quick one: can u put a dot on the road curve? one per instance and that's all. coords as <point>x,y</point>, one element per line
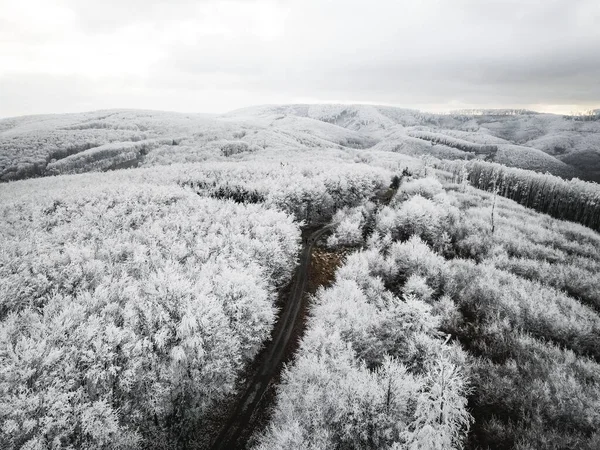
<point>232,431</point>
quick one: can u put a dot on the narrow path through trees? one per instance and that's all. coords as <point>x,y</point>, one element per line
<point>234,433</point>
<point>231,434</point>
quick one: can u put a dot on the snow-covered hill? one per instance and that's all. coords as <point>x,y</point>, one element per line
<point>41,145</point>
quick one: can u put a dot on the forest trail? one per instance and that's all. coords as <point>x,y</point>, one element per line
<point>232,433</point>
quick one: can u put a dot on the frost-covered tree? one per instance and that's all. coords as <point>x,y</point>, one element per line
<point>351,225</point>
<point>372,372</point>
<point>127,311</point>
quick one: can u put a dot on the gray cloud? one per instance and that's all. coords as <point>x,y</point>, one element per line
<point>110,14</point>
<point>211,55</point>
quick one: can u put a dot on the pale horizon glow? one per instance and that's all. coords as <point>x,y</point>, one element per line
<point>214,56</point>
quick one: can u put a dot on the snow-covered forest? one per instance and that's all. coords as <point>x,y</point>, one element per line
<point>426,281</point>
<point>455,295</point>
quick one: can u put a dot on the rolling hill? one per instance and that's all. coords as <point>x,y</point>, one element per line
<point>34,146</point>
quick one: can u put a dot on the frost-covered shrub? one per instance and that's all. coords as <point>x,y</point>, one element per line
<point>427,188</point>
<point>472,236</point>
<point>128,311</point>
<point>433,222</point>
<point>417,285</point>
<point>348,229</point>
<point>350,225</point>
<point>234,147</point>
<point>366,269</point>
<point>441,418</point>
<point>347,232</point>
<point>415,257</point>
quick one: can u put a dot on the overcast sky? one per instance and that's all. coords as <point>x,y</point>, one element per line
<point>215,56</point>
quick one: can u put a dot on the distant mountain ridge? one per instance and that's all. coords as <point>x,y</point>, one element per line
<point>31,146</point>
<point>493,112</point>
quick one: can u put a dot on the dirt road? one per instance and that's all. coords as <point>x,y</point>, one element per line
<point>230,436</point>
